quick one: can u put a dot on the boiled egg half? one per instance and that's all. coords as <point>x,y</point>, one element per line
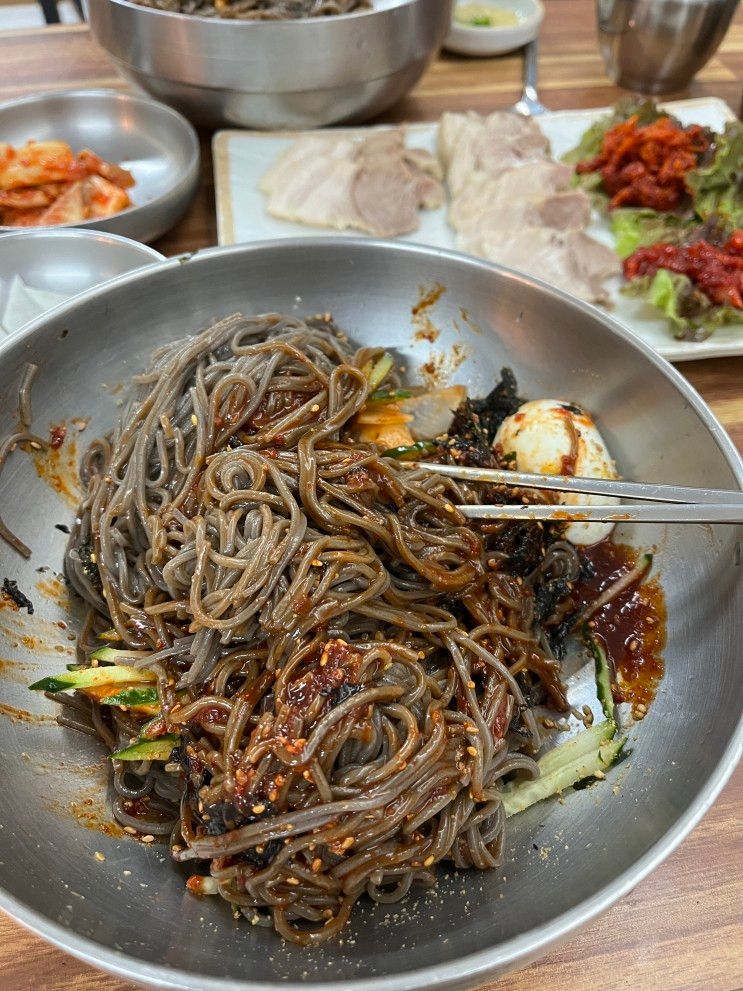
<point>555,437</point>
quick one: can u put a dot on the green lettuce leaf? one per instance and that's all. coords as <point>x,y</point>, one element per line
<point>717,188</point>
<point>635,228</point>
<point>692,314</point>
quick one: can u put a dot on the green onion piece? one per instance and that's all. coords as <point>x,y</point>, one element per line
<point>383,396</point>
<point>410,452</point>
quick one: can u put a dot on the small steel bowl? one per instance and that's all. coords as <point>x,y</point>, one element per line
<point>67,260</point>
<point>274,74</point>
<point>658,46</point>
<point>155,143</point>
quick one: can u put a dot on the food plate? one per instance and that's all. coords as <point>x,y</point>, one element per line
<point>113,901</point>
<point>153,142</point>
<point>242,157</point>
<point>40,268</point>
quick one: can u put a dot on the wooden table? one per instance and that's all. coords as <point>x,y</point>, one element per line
<point>682,928</point>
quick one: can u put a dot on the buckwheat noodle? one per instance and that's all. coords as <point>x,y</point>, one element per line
<point>344,655</point>
<point>259,10</point>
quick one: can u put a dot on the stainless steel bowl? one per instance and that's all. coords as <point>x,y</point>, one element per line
<point>68,261</point>
<point>155,143</point>
<point>658,46</point>
<point>274,74</point>
<point>142,924</point>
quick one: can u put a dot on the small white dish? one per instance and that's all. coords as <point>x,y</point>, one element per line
<point>483,41</point>
<point>41,268</point>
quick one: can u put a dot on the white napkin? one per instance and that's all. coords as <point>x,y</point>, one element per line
<point>24,303</point>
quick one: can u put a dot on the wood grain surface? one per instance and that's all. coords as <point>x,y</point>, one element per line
<point>682,928</point>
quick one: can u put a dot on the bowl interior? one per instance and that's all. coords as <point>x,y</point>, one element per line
<point>149,140</point>
<point>131,912</point>
<point>68,261</point>
<point>529,12</point>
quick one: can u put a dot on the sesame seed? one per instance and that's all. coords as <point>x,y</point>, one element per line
<point>292,880</point>
<point>149,838</point>
<point>428,861</point>
<point>99,856</point>
<point>472,751</point>
<point>449,508</point>
<point>316,865</point>
<point>259,808</point>
<point>131,830</point>
<point>315,408</point>
<point>600,775</point>
<point>347,843</point>
<point>194,419</point>
<point>316,563</point>
<point>470,684</point>
<point>259,849</point>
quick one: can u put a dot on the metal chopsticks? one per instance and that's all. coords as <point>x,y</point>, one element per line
<point>680,503</point>
<point>640,513</point>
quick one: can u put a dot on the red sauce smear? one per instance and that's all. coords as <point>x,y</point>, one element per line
<point>57,436</point>
<point>632,627</point>
<point>717,272</point>
<point>647,166</point>
<point>428,298</point>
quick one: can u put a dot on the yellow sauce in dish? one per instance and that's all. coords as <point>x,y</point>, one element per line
<point>481,15</point>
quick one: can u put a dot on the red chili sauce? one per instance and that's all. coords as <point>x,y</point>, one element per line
<point>632,627</point>
<point>717,272</point>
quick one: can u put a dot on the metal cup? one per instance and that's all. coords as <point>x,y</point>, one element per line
<point>658,46</point>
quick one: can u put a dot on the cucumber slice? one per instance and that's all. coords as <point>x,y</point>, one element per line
<point>142,749</point>
<point>89,677</point>
<point>110,655</point>
<point>376,373</point>
<point>581,757</point>
<point>603,673</point>
<point>133,696</point>
<point>110,635</point>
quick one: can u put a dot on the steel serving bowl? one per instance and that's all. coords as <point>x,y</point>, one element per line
<point>154,142</point>
<point>658,46</point>
<point>274,74</point>
<point>129,913</point>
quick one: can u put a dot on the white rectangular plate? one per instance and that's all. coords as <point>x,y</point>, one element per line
<point>242,157</point>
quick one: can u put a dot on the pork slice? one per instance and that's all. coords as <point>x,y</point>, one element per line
<point>393,182</point>
<point>386,199</point>
<point>317,194</point>
<point>310,149</point>
<point>502,200</point>
<point>424,161</point>
<point>521,134</point>
<point>457,138</point>
<point>469,144</point>
<point>571,260</point>
<point>570,209</point>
